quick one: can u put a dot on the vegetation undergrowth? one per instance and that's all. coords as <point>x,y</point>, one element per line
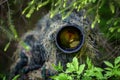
<point>88,71</point>
<point>5,78</point>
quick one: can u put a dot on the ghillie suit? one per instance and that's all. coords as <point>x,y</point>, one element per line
<point>36,63</point>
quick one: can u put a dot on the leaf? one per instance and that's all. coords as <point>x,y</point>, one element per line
<point>93,1</point>
<point>55,77</point>
<point>117,72</point>
<point>116,22</point>
<point>70,68</point>
<point>98,72</point>
<point>69,78</point>
<point>67,8</point>
<point>54,12</point>
<point>64,5</point>
<point>118,30</point>
<point>117,60</point>
<point>75,63</point>
<point>86,78</point>
<point>4,78</point>
<point>32,2</point>
<point>60,67</point>
<point>93,24</point>
<point>112,29</point>
<point>57,3</point>
<point>25,10</point>
<point>32,9</point>
<point>63,76</point>
<point>109,69</point>
<point>66,15</point>
<point>55,67</point>
<point>108,74</point>
<point>89,63</point>
<point>98,18</point>
<point>16,77</point>
<point>81,68</point>
<point>89,72</point>
<point>110,21</point>
<point>108,64</point>
<point>7,45</point>
<point>112,7</point>
<point>25,46</point>
<point>102,3</point>
<point>98,69</point>
<point>12,28</point>
<point>117,66</point>
<point>42,4</point>
<point>79,7</point>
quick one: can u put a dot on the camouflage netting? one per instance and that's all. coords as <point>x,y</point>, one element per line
<point>36,64</point>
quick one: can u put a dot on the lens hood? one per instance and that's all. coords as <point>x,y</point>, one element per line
<point>70,38</point>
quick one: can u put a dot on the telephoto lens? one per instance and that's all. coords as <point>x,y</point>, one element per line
<point>70,38</point>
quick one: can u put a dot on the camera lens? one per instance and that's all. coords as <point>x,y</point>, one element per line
<point>69,38</point>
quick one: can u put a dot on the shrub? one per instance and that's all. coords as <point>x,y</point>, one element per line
<point>88,71</point>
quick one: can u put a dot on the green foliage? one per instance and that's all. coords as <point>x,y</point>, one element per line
<point>92,71</point>
<point>73,69</point>
<point>9,28</point>
<point>57,6</point>
<point>59,67</point>
<point>7,45</point>
<point>1,75</point>
<point>25,46</point>
<point>34,5</point>
<point>14,78</point>
<point>109,15</point>
<point>4,78</point>
<point>88,71</point>
<point>113,69</point>
<point>104,12</point>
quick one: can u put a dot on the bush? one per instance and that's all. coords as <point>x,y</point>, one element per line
<point>88,71</point>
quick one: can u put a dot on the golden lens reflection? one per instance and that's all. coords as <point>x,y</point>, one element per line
<point>69,38</point>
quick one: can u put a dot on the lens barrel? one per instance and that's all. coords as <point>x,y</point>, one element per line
<point>70,38</point>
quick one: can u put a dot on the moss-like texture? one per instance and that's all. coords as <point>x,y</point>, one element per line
<point>37,62</point>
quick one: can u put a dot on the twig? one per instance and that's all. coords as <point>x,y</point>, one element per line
<point>23,17</point>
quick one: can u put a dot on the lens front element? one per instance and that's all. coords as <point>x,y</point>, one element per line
<point>69,39</point>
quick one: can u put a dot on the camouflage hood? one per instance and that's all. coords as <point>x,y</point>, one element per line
<point>36,63</point>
